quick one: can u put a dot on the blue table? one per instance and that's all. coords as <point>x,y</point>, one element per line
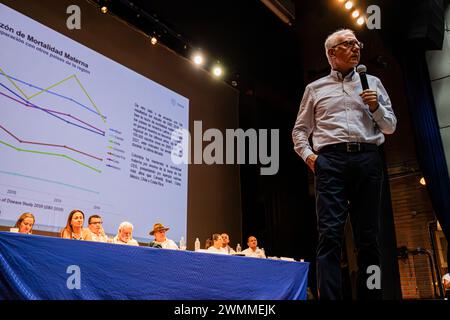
<point>38,267</point>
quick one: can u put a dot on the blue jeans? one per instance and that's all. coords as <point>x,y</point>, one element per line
<point>347,183</point>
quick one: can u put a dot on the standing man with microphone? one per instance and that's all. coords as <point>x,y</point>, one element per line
<point>347,121</point>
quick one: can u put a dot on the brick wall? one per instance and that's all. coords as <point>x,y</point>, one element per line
<point>412,212</point>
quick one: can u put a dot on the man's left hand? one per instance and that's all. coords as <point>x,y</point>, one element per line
<point>370,97</point>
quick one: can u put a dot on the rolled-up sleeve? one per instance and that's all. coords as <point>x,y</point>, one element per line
<point>304,124</point>
<point>384,116</point>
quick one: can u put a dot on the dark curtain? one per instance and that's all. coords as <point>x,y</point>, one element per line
<point>428,137</point>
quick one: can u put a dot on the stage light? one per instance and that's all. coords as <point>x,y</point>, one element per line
<point>422,181</point>
<point>340,1</point>
<point>198,59</point>
<point>360,21</point>
<point>217,71</point>
<point>104,9</point>
<point>154,40</point>
<point>355,14</point>
<point>348,5</point>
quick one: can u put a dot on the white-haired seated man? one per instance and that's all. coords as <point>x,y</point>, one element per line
<point>125,235</point>
<point>446,284</point>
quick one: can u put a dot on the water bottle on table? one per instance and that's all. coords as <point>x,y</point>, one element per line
<point>197,244</point>
<point>182,244</point>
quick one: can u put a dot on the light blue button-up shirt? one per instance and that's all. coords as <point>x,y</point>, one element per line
<point>333,112</point>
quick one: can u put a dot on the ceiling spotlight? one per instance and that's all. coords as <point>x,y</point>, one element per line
<point>104,9</point>
<point>198,59</point>
<point>217,71</point>
<point>422,181</point>
<point>348,5</point>
<point>360,21</point>
<point>153,40</point>
<point>355,14</point>
<point>340,0</point>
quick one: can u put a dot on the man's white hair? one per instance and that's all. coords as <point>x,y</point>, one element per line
<point>124,225</point>
<point>331,40</point>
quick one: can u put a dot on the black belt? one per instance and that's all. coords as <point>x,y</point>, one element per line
<point>350,147</point>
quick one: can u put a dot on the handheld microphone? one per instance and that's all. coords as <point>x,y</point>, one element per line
<point>361,69</point>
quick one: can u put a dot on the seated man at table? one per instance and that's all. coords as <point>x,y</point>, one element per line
<point>253,250</point>
<point>125,235</point>
<point>217,244</point>
<point>95,226</point>
<point>226,243</point>
<point>161,241</point>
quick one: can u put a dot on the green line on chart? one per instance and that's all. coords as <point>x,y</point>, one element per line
<point>89,97</point>
<point>52,86</point>
<point>51,154</point>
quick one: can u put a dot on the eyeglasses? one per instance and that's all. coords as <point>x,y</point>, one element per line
<point>350,43</point>
<point>98,222</point>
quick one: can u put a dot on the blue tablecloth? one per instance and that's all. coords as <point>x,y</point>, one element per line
<point>37,267</point>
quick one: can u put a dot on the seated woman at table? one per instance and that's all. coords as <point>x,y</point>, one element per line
<point>125,235</point>
<point>25,223</point>
<point>161,241</point>
<point>217,244</point>
<point>74,228</point>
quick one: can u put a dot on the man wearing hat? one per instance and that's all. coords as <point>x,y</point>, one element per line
<point>161,241</point>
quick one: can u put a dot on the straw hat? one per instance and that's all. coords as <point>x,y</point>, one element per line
<point>158,227</point>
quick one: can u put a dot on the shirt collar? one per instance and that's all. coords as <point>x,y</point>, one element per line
<point>338,76</point>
